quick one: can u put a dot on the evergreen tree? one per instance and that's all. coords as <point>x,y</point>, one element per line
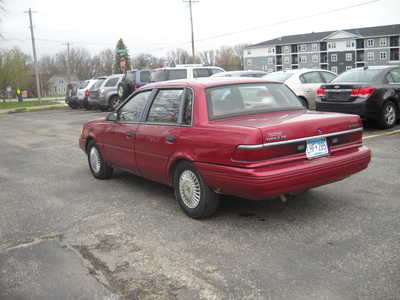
<point>121,51</point>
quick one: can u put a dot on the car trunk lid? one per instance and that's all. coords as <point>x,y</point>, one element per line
<point>342,92</point>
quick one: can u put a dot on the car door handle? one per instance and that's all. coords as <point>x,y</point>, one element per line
<point>170,138</point>
<point>130,134</point>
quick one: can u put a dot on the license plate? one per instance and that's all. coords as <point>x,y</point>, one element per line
<point>316,147</point>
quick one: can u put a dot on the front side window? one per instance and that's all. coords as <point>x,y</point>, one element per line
<point>246,99</point>
<point>98,84</point>
<point>132,110</point>
<point>166,105</point>
<point>328,77</point>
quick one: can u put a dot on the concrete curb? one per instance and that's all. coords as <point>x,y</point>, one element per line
<point>31,108</point>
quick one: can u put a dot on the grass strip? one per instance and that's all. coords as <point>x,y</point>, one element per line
<point>10,105</point>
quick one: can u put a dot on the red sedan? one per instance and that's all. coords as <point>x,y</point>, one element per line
<point>245,137</point>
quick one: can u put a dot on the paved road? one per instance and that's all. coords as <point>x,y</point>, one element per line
<point>65,235</point>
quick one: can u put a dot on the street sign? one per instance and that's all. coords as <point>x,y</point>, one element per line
<point>122,50</point>
<point>122,64</point>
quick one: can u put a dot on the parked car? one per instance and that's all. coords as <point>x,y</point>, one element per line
<point>104,94</point>
<point>248,73</point>
<point>131,81</point>
<point>183,72</point>
<point>83,91</point>
<point>304,82</point>
<point>204,138</point>
<point>371,92</point>
<point>71,97</point>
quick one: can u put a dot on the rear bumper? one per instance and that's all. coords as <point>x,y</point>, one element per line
<point>266,182</point>
<point>356,107</point>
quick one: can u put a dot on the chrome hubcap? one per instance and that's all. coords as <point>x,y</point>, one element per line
<point>95,162</point>
<point>189,189</point>
<point>120,92</point>
<point>114,102</point>
<point>390,115</point>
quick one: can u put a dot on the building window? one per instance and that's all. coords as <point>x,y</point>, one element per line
<point>334,57</point>
<point>370,56</point>
<point>370,43</point>
<point>303,59</point>
<point>349,68</point>
<point>331,45</point>
<point>286,59</point>
<point>349,56</point>
<point>303,48</point>
<point>286,49</point>
<point>270,60</point>
<point>249,62</point>
<point>314,47</point>
<point>349,44</point>
<point>383,55</point>
<point>334,69</point>
<point>315,58</point>
<point>383,42</point>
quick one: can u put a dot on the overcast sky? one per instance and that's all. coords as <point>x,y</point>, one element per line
<point>157,26</point>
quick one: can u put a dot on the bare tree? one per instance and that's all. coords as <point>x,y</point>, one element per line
<point>227,59</point>
<point>178,56</point>
<point>145,60</point>
<point>238,51</point>
<point>207,57</point>
<point>102,63</point>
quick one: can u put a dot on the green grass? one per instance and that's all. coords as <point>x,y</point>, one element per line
<point>10,105</point>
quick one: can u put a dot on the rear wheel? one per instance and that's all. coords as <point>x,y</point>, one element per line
<point>86,104</point>
<point>113,103</point>
<point>304,102</point>
<point>194,196</point>
<point>388,116</point>
<point>99,168</point>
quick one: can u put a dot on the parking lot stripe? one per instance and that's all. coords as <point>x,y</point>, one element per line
<point>382,134</point>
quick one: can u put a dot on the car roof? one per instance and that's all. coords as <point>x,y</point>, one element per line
<point>302,71</point>
<point>244,72</point>
<point>206,82</point>
<point>382,67</point>
<point>190,67</point>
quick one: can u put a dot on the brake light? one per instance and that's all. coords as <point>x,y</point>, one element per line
<point>241,154</point>
<point>87,93</point>
<point>136,86</point>
<point>362,92</point>
<point>321,92</point>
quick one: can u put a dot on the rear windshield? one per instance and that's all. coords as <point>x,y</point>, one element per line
<point>97,84</point>
<point>361,75</point>
<point>84,84</point>
<point>245,99</point>
<point>279,76</point>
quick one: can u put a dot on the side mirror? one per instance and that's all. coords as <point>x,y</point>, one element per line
<point>112,116</point>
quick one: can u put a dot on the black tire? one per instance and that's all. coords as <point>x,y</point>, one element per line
<point>122,91</point>
<point>304,102</point>
<point>113,103</point>
<point>73,106</point>
<point>102,170</point>
<point>86,104</point>
<point>208,200</point>
<point>388,115</point>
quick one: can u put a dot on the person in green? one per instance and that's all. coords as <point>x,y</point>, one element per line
<point>19,95</point>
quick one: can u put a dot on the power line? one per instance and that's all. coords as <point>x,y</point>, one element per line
<point>34,55</point>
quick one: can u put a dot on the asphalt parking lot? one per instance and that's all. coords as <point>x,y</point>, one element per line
<point>66,235</point>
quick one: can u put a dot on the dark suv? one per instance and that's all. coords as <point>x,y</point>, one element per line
<point>131,81</point>
<point>371,92</point>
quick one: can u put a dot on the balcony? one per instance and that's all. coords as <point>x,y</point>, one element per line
<point>394,41</point>
<point>394,54</point>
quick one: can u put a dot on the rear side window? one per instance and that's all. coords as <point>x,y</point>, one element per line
<point>187,110</point>
<point>177,74</point>
<point>111,82</point>
<point>215,71</point>
<point>133,109</point>
<point>245,99</point>
<point>145,76</point>
<point>310,77</point>
<point>328,77</point>
<point>166,106</point>
<point>201,72</point>
<point>98,83</point>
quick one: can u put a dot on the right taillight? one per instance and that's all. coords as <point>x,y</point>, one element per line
<point>245,154</point>
<point>321,92</point>
<point>87,93</point>
<point>362,92</point>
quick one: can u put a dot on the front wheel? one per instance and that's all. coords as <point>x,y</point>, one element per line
<point>388,115</point>
<point>194,196</point>
<point>98,166</point>
<point>114,102</point>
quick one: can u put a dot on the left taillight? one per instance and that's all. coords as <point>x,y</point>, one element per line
<point>321,92</point>
<point>87,93</point>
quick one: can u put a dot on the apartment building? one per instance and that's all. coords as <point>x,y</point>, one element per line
<point>337,51</point>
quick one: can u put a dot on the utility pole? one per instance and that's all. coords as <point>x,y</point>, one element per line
<point>68,65</point>
<point>191,24</point>
<point>34,56</point>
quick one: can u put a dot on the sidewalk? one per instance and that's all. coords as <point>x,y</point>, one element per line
<point>32,108</point>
